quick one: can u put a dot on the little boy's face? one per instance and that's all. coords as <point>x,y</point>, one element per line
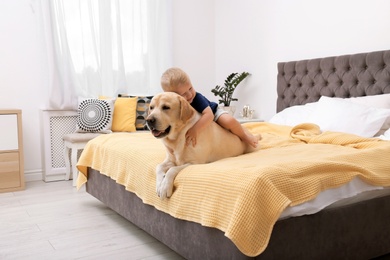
<point>186,91</point>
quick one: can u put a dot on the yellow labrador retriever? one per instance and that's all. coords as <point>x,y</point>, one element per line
<point>170,116</point>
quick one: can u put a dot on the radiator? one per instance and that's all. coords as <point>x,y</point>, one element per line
<point>55,124</point>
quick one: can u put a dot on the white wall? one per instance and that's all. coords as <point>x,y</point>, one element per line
<point>211,40</point>
<point>254,35</point>
<point>194,41</point>
<point>22,75</point>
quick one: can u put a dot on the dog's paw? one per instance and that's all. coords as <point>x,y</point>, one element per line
<point>165,189</point>
<point>158,185</point>
<point>159,179</point>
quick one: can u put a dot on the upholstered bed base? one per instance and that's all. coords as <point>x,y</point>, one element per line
<point>357,231</point>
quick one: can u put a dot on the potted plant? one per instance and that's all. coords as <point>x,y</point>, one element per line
<point>225,92</point>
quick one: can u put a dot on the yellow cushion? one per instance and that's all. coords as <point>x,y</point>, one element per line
<point>124,115</point>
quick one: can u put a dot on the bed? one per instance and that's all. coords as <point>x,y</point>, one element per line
<point>356,227</point>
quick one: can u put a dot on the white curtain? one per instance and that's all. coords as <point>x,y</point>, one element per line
<point>105,47</point>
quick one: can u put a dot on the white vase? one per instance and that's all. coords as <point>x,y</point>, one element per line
<point>230,109</point>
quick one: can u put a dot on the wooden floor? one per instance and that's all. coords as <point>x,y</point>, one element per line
<point>54,221</point>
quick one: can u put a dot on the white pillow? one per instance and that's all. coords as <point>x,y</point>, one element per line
<point>294,115</point>
<point>386,135</point>
<point>342,115</point>
<point>378,101</point>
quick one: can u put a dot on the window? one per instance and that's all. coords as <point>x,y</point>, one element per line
<point>107,47</point>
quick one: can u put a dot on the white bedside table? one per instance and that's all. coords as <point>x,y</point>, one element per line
<point>247,120</point>
<point>74,142</point>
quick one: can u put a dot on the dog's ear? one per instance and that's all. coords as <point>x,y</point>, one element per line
<point>148,109</point>
<point>186,111</point>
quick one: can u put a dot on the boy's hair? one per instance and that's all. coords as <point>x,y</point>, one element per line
<point>173,77</point>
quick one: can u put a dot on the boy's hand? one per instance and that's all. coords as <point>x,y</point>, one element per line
<point>191,137</point>
<point>206,118</point>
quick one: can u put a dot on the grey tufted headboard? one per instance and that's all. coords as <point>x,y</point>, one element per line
<point>363,74</point>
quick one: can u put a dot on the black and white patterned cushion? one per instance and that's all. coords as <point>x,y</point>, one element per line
<point>95,116</point>
<point>143,103</point>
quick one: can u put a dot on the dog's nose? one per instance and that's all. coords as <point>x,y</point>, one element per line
<point>150,120</point>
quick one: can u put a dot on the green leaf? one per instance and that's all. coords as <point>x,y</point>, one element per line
<point>226,91</point>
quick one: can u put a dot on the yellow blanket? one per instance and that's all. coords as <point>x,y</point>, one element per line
<point>243,196</point>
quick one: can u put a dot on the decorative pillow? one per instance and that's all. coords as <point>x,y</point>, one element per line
<point>341,115</point>
<point>143,103</point>
<point>124,115</point>
<point>95,116</point>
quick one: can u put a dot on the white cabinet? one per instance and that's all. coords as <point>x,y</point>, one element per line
<point>11,151</point>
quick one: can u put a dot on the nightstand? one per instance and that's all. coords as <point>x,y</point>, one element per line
<point>74,142</point>
<point>247,120</point>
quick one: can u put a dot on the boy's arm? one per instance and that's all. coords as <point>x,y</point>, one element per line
<point>206,118</point>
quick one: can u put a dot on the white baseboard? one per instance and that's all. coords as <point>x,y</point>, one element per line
<point>37,175</point>
<point>33,175</point>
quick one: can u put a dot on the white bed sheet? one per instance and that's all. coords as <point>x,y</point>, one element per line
<point>355,190</point>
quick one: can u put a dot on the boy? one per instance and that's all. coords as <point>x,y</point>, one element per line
<point>176,80</point>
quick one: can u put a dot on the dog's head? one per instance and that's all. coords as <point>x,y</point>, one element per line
<point>168,114</point>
